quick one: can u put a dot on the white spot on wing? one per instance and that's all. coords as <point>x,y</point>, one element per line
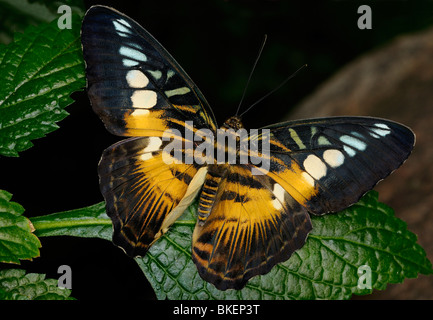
<point>155,73</point>
<point>132,53</point>
<point>374,135</point>
<point>135,45</point>
<point>383,126</point>
<point>140,113</point>
<point>354,143</point>
<point>315,167</point>
<point>381,130</point>
<point>349,151</point>
<point>323,141</point>
<point>146,156</point>
<point>154,144</point>
<point>279,196</point>
<point>120,27</point>
<point>130,63</point>
<point>144,99</point>
<point>170,73</point>
<point>136,79</point>
<point>177,92</point>
<point>333,157</point>
<point>126,23</point>
<point>308,178</point>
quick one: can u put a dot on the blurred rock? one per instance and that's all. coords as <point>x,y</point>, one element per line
<point>393,82</point>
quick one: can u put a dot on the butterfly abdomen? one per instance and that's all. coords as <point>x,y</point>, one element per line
<point>209,192</point>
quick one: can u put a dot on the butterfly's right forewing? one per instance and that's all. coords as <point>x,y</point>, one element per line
<point>328,164</point>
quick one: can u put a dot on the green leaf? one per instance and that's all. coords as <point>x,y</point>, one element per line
<point>366,233</point>
<point>327,267</point>
<point>38,72</point>
<point>89,222</point>
<point>15,284</point>
<point>16,238</point>
<point>16,15</point>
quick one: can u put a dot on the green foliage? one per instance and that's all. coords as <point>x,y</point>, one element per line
<point>18,15</point>
<point>16,238</point>
<point>40,69</point>
<point>15,284</point>
<point>38,72</point>
<point>366,233</point>
<point>327,267</point>
<point>89,222</point>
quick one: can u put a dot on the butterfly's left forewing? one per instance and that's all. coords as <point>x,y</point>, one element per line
<point>139,90</point>
<point>134,84</point>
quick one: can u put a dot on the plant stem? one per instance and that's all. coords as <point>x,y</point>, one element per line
<point>44,227</point>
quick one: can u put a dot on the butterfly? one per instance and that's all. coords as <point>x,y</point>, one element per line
<point>250,217</point>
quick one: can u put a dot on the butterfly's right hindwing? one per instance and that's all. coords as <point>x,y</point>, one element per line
<point>253,224</point>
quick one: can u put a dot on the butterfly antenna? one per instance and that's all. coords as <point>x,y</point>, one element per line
<point>251,73</point>
<point>268,94</point>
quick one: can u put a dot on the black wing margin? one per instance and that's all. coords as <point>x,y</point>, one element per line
<point>328,164</point>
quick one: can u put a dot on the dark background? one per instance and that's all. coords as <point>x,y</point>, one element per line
<point>216,42</point>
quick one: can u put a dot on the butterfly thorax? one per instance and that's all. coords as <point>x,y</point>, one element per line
<point>234,123</point>
<point>227,151</point>
<point>227,141</point>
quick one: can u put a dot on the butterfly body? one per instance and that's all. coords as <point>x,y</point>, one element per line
<point>256,188</point>
<point>233,123</point>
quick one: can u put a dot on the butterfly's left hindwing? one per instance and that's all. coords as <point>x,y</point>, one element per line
<point>143,194</point>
